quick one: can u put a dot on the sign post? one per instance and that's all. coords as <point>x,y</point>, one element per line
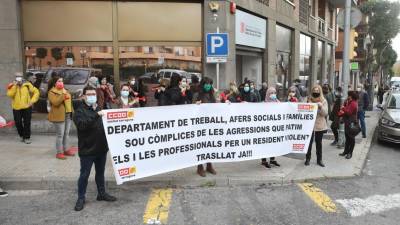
<point>217,49</point>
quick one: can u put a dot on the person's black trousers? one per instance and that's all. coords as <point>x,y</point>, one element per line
<point>335,131</point>
<point>318,142</point>
<point>86,165</point>
<point>349,144</point>
<point>22,120</point>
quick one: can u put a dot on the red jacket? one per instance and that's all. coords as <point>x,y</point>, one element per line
<point>349,112</point>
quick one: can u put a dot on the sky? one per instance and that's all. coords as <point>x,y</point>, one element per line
<point>396,40</point>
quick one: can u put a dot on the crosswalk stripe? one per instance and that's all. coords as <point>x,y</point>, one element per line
<point>158,206</point>
<point>373,204</point>
<point>321,199</point>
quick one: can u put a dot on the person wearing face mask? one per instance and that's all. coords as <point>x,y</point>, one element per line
<point>125,100</point>
<point>160,93</point>
<point>292,95</point>
<point>92,145</point>
<point>175,93</point>
<point>363,103</point>
<point>94,83</point>
<point>60,115</point>
<point>108,92</point>
<point>256,92</point>
<point>23,95</point>
<point>247,95</point>
<point>333,116</point>
<point>320,126</point>
<point>270,96</point>
<point>138,90</point>
<point>205,95</point>
<point>349,114</point>
<point>185,90</point>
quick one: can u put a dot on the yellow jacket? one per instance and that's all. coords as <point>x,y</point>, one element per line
<point>22,96</point>
<point>61,103</point>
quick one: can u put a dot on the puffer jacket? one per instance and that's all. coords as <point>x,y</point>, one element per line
<point>22,96</point>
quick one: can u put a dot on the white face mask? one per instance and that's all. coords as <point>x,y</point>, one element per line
<point>18,79</point>
<point>133,82</point>
<point>358,89</point>
<point>162,88</point>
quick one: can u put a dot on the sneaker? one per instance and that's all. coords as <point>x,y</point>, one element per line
<point>69,153</point>
<point>106,197</point>
<point>27,141</point>
<point>79,204</point>
<point>60,156</point>
<point>3,194</point>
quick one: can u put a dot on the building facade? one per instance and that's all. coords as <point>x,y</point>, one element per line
<point>276,41</point>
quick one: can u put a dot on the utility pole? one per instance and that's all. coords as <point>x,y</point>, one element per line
<point>346,63</point>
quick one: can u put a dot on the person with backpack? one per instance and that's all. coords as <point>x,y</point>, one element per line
<point>23,95</point>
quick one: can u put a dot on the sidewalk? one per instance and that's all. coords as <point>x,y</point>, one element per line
<point>35,167</point>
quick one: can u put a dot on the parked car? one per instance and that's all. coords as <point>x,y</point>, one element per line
<point>75,79</point>
<point>389,121</point>
<point>167,73</point>
<point>149,78</point>
<point>38,74</point>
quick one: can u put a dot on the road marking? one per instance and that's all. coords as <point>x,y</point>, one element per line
<point>321,199</point>
<point>373,204</point>
<point>158,206</point>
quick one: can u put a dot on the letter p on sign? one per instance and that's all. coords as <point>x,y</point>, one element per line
<point>217,44</point>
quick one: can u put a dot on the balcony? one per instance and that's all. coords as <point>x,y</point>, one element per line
<point>341,3</point>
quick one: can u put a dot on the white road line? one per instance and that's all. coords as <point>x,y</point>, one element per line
<point>373,204</point>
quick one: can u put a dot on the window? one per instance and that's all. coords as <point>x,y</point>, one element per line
<point>305,60</point>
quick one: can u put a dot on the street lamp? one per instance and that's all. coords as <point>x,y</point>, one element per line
<point>83,55</point>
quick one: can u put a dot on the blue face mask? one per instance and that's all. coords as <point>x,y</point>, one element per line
<point>91,99</point>
<point>273,97</point>
<point>124,94</point>
<point>246,89</point>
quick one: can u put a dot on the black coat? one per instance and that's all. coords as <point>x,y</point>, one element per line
<point>161,97</point>
<point>175,96</point>
<point>91,137</point>
<point>249,97</point>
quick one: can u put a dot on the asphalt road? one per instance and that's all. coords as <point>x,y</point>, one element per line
<point>373,198</point>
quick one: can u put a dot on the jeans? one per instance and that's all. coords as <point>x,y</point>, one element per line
<point>349,145</point>
<point>86,165</point>
<point>318,142</point>
<point>62,133</point>
<point>361,117</point>
<point>22,120</point>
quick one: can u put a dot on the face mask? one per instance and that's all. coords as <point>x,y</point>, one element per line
<point>251,87</point>
<point>246,89</point>
<point>358,89</point>
<point>207,87</point>
<point>18,79</point>
<point>183,83</point>
<point>91,99</point>
<point>162,88</point>
<point>59,85</point>
<point>124,94</point>
<point>273,96</point>
<point>316,95</point>
<point>133,82</point>
<point>291,94</point>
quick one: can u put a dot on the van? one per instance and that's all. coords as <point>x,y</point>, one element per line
<point>167,74</point>
<point>395,82</point>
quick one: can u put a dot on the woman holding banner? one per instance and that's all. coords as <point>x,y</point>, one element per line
<point>205,95</point>
<point>320,126</point>
<point>270,96</point>
<point>176,94</point>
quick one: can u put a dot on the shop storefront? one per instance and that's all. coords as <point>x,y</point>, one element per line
<point>250,39</point>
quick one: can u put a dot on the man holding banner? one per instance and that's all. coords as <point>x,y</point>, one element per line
<point>92,145</point>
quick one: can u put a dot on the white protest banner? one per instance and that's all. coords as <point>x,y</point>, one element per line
<point>154,140</point>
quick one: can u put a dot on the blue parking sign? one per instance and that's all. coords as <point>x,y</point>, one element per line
<point>217,44</point>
